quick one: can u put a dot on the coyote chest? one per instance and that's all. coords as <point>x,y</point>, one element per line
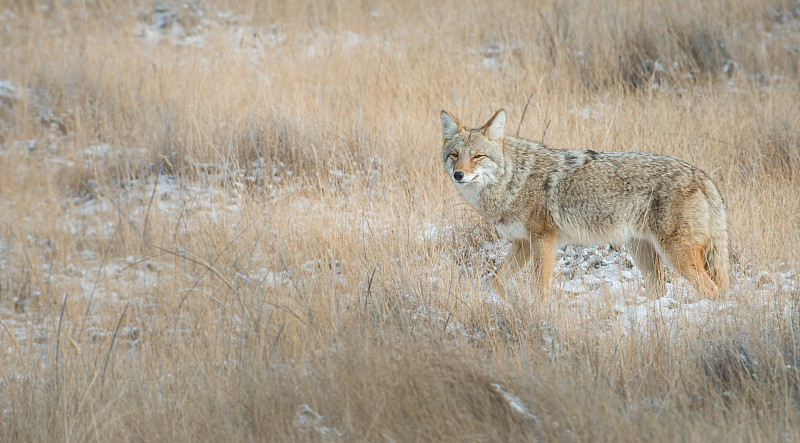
<point>509,228</point>
<point>512,230</point>
<point>472,194</point>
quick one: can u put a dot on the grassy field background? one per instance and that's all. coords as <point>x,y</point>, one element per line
<point>228,221</point>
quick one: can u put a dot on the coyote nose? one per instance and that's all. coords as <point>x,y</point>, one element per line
<point>458,175</point>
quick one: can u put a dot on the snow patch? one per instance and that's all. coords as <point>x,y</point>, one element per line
<point>309,420</point>
<point>514,402</point>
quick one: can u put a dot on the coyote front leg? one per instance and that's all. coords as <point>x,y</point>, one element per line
<point>516,259</point>
<point>541,250</point>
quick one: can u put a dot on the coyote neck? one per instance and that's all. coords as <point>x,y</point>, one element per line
<point>520,158</point>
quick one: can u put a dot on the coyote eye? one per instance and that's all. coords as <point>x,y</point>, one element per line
<point>478,157</point>
<point>454,155</point>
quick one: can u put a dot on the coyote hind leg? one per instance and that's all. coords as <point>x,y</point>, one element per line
<point>646,258</point>
<point>689,261</point>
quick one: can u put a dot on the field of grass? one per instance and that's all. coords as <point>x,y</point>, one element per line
<point>228,221</point>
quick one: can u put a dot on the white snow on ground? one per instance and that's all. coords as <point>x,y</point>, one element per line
<point>495,54</point>
<point>201,27</point>
<point>8,91</point>
<point>309,420</point>
<point>106,284</point>
<point>513,401</point>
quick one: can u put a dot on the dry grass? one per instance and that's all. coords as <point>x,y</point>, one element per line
<point>227,221</point>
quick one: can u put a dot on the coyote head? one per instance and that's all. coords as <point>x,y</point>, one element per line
<point>473,156</point>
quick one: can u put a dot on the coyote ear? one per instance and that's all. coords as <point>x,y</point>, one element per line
<point>450,126</point>
<point>493,129</point>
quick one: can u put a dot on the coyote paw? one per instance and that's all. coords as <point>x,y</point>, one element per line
<point>491,290</point>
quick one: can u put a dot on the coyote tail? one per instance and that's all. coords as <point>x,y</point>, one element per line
<point>717,256</point>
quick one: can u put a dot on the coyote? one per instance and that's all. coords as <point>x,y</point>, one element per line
<point>660,207</point>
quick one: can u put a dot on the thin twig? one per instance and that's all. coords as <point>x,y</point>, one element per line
<point>289,274</point>
<point>58,334</point>
<point>522,117</point>
<point>16,347</point>
<point>149,206</point>
<point>380,59</point>
<point>210,266</point>
<point>99,272</point>
<point>284,308</point>
<point>277,337</point>
<point>188,255</point>
<point>369,287</point>
<point>544,133</point>
<point>215,299</point>
<point>113,339</point>
<point>119,213</point>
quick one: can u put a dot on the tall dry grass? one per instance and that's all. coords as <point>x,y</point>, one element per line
<point>227,221</point>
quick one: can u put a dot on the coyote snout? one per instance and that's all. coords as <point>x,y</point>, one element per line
<point>662,208</point>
